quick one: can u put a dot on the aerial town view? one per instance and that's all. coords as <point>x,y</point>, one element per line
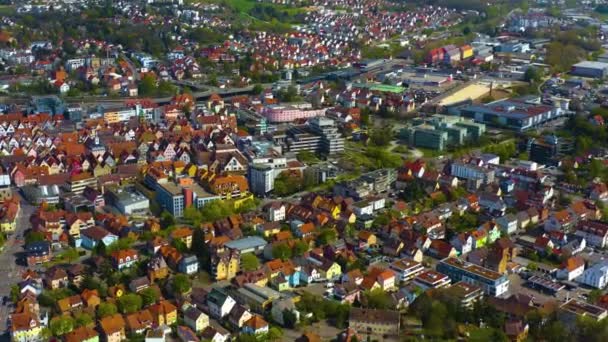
<point>303,170</point>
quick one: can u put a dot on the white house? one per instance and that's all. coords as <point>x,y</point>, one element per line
<point>463,243</point>
<point>571,269</point>
<point>275,211</point>
<point>595,232</point>
<point>219,303</point>
<point>596,276</point>
<point>507,224</point>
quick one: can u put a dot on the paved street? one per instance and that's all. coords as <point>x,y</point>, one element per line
<point>9,269</point>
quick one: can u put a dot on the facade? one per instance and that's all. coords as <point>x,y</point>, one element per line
<point>128,201</point>
<point>261,179</point>
<point>549,150</point>
<point>440,131</point>
<point>281,113</point>
<point>515,114</point>
<point>374,323</point>
<point>594,232</point>
<point>492,283</point>
<point>472,172</point>
<point>595,276</point>
<point>175,197</point>
<point>590,69</point>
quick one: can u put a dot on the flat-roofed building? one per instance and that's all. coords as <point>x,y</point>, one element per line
<point>571,311</point>
<point>492,283</point>
<point>406,269</point>
<point>431,280</point>
<point>467,293</point>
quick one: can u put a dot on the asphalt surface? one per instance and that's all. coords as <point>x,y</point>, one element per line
<point>10,272</point>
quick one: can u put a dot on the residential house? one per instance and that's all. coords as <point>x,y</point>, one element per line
<point>185,334</point>
<point>238,316</point>
<point>256,325</point>
<point>561,220</point>
<point>140,321</point>
<point>275,211</point>
<point>184,235</point>
<point>124,258</point>
<point>163,313</point>
<point>82,334</point>
<point>594,232</point>
<point>25,327</point>
<point>91,237</point>
<point>113,328</point>
<point>188,264</point>
<point>196,319</point>
<point>220,304</point>
<point>571,268</point>
<point>507,224</point>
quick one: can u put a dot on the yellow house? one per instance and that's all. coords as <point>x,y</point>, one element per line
<point>330,270</point>
<point>164,313</point>
<point>111,117</point>
<point>102,170</point>
<point>226,265</point>
<point>25,327</point>
<point>191,170</point>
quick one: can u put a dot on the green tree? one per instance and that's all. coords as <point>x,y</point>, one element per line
<point>62,325</point>
<point>106,309</point>
<point>249,262</point>
<point>377,299</point>
<point>34,236</point>
<point>327,236</point>
<point>149,296</point>
<point>82,319</point>
<point>147,86</point>
<point>166,219</point>
<point>281,251</point>
<point>129,303</point>
<point>181,283</point>
<point>300,247</point>
<point>257,89</point>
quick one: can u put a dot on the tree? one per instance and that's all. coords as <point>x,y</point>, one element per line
<point>533,75</point>
<point>275,334</point>
<point>181,283</point>
<point>300,247</point>
<point>216,210</point>
<point>62,325</point>
<point>594,296</point>
<point>249,262</point>
<point>281,251</point>
<point>377,299</point>
<point>15,292</point>
<point>327,236</point>
<point>149,296</point>
<point>83,319</point>
<point>147,86</point>
<point>257,89</point>
<point>33,236</point>
<point>129,303</point>
<point>166,219</point>
<point>106,309</point>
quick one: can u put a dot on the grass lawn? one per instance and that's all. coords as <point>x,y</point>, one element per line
<point>7,10</point>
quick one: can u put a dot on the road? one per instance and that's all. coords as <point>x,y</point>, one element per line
<point>11,272</point>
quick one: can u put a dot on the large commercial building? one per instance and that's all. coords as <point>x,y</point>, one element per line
<point>549,150</point>
<point>440,131</point>
<point>471,172</point>
<point>320,135</point>
<point>261,179</point>
<point>590,69</point>
<point>492,283</point>
<point>175,197</point>
<point>516,114</point>
<point>281,113</point>
<point>128,200</point>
